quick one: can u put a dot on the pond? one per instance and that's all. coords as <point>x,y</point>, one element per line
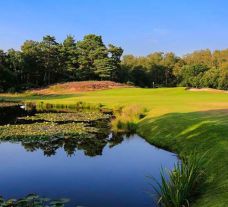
<point>91,169</point>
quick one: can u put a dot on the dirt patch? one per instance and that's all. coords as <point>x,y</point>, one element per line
<point>82,86</point>
<point>207,89</point>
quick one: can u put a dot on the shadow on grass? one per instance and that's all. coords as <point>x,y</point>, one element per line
<point>32,97</point>
<point>196,131</point>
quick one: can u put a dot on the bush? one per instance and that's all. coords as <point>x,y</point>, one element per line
<point>210,78</point>
<point>223,80</point>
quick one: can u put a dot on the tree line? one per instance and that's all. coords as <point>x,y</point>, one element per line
<point>46,62</point>
<point>38,64</point>
<point>199,69</point>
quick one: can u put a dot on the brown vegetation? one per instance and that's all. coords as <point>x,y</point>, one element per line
<point>82,86</point>
<point>208,90</point>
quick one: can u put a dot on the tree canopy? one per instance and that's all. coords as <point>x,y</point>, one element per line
<point>48,61</point>
<point>202,68</point>
<point>40,63</point>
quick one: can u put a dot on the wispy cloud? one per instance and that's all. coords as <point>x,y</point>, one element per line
<point>160,31</point>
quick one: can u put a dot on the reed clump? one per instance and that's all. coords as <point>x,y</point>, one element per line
<point>179,186</point>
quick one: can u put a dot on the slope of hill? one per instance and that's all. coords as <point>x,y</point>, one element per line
<point>82,86</point>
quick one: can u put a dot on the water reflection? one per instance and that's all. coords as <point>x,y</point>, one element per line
<point>116,178</point>
<point>92,168</point>
<point>90,146</point>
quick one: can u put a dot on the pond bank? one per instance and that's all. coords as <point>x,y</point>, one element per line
<point>174,132</point>
<point>50,127</point>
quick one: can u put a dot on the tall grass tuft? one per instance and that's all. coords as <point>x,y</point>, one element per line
<point>85,105</point>
<point>126,118</point>
<point>177,187</point>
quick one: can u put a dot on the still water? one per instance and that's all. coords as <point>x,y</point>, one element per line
<point>118,177</point>
<point>103,170</point>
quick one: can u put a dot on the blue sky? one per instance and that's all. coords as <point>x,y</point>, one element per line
<point>139,26</point>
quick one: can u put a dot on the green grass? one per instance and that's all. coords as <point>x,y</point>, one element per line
<point>179,120</point>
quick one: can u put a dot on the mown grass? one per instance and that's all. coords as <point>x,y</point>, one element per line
<point>199,131</point>
<point>178,120</point>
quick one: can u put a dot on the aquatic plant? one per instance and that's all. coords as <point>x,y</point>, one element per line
<point>33,200</point>
<point>83,130</point>
<point>79,116</point>
<point>47,125</point>
<point>178,186</point>
<point>43,130</point>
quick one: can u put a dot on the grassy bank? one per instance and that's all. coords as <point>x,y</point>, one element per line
<point>178,120</point>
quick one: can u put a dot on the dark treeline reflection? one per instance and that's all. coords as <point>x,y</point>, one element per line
<point>90,146</point>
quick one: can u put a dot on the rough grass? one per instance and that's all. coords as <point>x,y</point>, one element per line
<point>178,120</point>
<point>75,87</point>
<point>127,118</point>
